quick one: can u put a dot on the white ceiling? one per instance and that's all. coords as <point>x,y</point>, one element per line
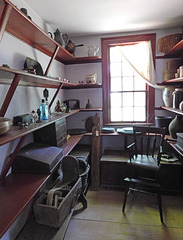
<point>90,17</point>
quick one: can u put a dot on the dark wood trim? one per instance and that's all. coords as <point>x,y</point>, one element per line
<point>106,43</point>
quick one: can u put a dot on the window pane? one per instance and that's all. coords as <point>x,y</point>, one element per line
<point>116,84</point>
<point>127,83</point>
<point>139,99</point>
<point>139,83</point>
<point>115,99</point>
<point>128,99</point>
<point>128,114</point>
<point>115,69</point>
<point>127,69</point>
<point>115,55</point>
<point>139,114</point>
<point>116,114</point>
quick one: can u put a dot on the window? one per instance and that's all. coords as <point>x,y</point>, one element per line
<point>126,96</point>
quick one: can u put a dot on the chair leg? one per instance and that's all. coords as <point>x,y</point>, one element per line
<point>160,207</point>
<point>125,196</point>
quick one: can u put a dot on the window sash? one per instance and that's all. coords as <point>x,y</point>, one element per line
<point>106,44</point>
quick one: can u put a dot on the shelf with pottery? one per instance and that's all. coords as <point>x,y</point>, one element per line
<point>174,110</point>
<point>178,82</point>
<point>27,79</point>
<point>33,80</point>
<point>17,132</point>
<point>21,26</point>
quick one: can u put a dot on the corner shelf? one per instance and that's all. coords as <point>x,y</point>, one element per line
<point>28,79</point>
<point>174,110</point>
<point>16,132</point>
<point>80,86</point>
<point>81,60</point>
<point>178,82</point>
<point>176,51</point>
<point>20,26</point>
<point>33,80</point>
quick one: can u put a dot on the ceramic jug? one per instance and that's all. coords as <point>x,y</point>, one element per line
<point>59,38</point>
<point>92,50</point>
<point>167,96</point>
<point>176,126</point>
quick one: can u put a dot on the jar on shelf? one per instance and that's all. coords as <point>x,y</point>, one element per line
<point>181,106</point>
<point>177,97</point>
<point>167,96</point>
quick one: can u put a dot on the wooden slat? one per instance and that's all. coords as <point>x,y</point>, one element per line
<point>71,143</point>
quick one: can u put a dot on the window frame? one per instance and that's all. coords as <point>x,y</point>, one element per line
<point>106,43</point>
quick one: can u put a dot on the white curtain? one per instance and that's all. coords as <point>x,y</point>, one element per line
<point>139,56</point>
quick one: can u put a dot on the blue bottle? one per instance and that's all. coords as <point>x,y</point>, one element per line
<point>44,110</point>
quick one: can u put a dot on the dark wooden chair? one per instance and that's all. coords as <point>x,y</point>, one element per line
<point>144,163</point>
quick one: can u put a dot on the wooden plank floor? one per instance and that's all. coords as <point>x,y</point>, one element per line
<point>103,219</point>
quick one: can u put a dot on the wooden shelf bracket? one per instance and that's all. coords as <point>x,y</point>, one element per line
<point>4,19</point>
<point>12,158</point>
<point>51,60</point>
<point>9,95</point>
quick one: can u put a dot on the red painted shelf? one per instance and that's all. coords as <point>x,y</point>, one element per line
<point>17,190</point>
<point>20,26</point>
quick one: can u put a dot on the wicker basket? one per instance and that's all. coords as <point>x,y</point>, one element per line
<point>83,171</point>
<point>168,42</point>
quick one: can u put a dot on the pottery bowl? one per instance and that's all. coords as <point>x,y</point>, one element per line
<point>5,124</point>
<point>92,78</point>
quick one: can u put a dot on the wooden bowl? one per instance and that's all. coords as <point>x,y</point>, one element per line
<point>4,125</point>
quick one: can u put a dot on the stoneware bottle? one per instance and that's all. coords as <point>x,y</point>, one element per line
<point>176,126</point>
<point>88,105</point>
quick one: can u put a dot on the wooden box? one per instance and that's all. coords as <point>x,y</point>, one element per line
<point>54,216</point>
<point>54,134</point>
<point>37,158</point>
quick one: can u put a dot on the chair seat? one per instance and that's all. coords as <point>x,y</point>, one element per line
<point>145,162</point>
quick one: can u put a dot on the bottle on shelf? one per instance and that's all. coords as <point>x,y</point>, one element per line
<point>44,110</point>
<point>46,95</point>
